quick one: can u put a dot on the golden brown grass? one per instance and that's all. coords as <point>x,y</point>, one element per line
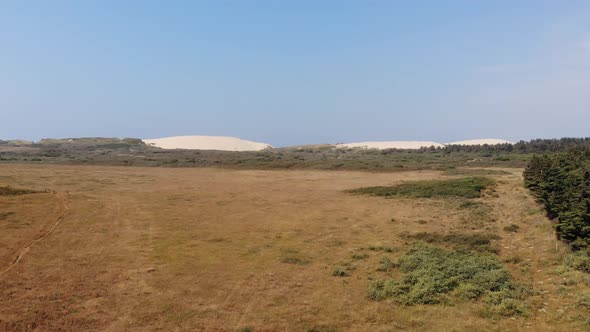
<point>220,250</point>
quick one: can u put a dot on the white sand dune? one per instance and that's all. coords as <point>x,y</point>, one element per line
<point>221,143</point>
<point>390,145</point>
<point>489,141</point>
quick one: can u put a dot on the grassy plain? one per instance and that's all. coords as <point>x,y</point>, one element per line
<point>185,249</point>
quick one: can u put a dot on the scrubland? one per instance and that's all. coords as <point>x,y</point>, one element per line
<point>184,249</point>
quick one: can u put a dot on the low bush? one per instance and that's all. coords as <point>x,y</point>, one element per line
<point>512,228</point>
<point>513,260</point>
<point>507,307</point>
<point>10,191</point>
<point>584,300</point>
<point>579,260</point>
<point>468,187</point>
<point>381,248</point>
<point>386,265</point>
<point>292,256</point>
<point>433,275</point>
<point>340,272</point>
<point>358,257</point>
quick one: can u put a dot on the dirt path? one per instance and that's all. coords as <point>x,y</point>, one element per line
<point>64,209</point>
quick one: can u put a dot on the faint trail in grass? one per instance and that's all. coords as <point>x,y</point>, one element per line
<point>65,209</point>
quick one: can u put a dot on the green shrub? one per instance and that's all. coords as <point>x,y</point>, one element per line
<point>381,248</point>
<point>513,260</point>
<point>512,228</point>
<point>584,299</point>
<point>433,274</point>
<point>579,260</point>
<point>468,187</point>
<point>292,256</point>
<point>358,257</point>
<point>468,291</point>
<point>340,272</point>
<point>509,307</point>
<point>386,265</point>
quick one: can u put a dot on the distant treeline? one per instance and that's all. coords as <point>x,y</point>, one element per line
<point>533,146</point>
<point>562,183</point>
<point>523,147</point>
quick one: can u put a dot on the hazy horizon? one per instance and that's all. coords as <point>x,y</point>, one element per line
<point>294,73</point>
<point>312,143</point>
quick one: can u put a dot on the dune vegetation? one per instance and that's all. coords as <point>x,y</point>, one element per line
<point>468,187</point>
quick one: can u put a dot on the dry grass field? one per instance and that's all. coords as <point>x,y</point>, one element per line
<point>159,249</point>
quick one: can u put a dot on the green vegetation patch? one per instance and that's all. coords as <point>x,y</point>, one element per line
<point>579,260</point>
<point>584,299</point>
<point>386,265</point>
<point>359,256</point>
<point>10,191</point>
<point>292,256</point>
<point>4,215</point>
<point>434,275</point>
<point>512,228</point>
<point>340,272</point>
<point>382,248</point>
<point>468,187</point>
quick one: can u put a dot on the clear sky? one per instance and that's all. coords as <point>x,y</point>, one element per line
<point>295,72</point>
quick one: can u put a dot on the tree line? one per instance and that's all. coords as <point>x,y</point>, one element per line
<point>532,146</point>
<point>540,145</point>
<point>562,183</point>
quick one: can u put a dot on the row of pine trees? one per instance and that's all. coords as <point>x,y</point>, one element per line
<point>562,183</point>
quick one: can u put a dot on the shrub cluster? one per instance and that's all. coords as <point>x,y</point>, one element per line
<point>433,275</point>
<point>579,260</point>
<point>467,187</point>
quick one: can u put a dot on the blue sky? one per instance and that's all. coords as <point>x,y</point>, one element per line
<point>295,72</point>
